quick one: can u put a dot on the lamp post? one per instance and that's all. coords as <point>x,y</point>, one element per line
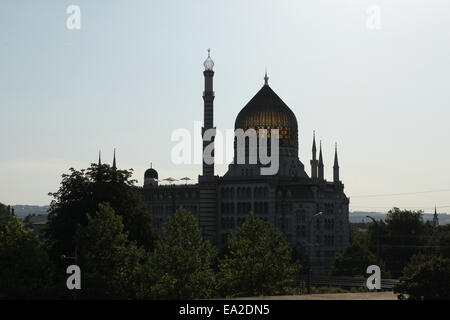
<point>310,249</point>
<point>378,239</point>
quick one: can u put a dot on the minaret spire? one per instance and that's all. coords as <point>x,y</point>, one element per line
<point>314,158</point>
<point>320,162</point>
<point>266,79</point>
<point>114,160</point>
<point>336,165</point>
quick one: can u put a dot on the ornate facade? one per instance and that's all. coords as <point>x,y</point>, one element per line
<point>311,211</point>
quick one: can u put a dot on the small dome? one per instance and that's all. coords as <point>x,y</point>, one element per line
<point>266,110</point>
<point>151,174</point>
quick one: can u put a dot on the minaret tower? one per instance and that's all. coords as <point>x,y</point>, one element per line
<point>335,166</point>
<point>208,111</point>
<point>314,159</point>
<point>207,181</point>
<point>320,162</point>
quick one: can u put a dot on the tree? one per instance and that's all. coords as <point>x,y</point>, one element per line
<point>401,235</point>
<point>5,215</point>
<point>182,260</point>
<point>25,268</point>
<point>354,261</point>
<point>425,278</point>
<point>440,241</point>
<point>81,192</point>
<point>112,267</point>
<point>258,262</point>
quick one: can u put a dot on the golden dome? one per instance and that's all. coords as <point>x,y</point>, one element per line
<point>267,111</point>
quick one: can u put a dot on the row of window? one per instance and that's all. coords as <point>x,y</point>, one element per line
<point>244,192</point>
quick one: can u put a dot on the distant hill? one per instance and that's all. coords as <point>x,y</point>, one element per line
<point>24,210</point>
<point>361,216</point>
<point>355,216</point>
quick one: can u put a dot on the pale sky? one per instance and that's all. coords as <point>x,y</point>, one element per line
<point>133,74</point>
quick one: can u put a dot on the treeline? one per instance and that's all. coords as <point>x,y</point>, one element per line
<point>406,248</point>
<point>99,213</point>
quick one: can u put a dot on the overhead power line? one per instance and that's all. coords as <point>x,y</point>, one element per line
<point>398,194</point>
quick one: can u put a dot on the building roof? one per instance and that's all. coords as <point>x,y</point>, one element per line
<point>267,110</point>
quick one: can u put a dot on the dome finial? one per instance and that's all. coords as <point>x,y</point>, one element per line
<point>266,79</point>
<point>208,64</point>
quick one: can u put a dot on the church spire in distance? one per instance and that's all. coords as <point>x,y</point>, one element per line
<point>435,217</point>
<point>99,157</point>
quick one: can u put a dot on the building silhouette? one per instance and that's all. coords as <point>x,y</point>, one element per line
<point>312,212</point>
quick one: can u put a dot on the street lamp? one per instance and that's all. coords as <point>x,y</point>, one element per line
<point>378,239</point>
<point>310,249</point>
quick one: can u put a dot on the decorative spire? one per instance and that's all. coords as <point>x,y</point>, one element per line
<point>266,79</point>
<point>320,162</point>
<point>314,150</point>
<point>336,164</point>
<point>320,154</point>
<point>99,157</point>
<point>208,64</point>
<point>114,160</point>
<point>314,158</point>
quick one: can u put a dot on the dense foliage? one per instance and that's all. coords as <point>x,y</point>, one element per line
<point>182,261</point>
<point>25,268</point>
<point>354,261</point>
<point>113,267</point>
<point>82,191</point>
<point>258,262</point>
<point>425,278</point>
<point>401,235</point>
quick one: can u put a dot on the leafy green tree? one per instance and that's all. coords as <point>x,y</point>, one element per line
<point>258,262</point>
<point>182,260</point>
<point>401,235</point>
<point>425,279</point>
<point>25,268</point>
<point>354,261</point>
<point>440,241</point>
<point>82,191</point>
<point>4,214</point>
<point>112,267</point>
<point>357,236</point>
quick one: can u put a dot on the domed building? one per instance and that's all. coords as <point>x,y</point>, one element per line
<point>311,211</point>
